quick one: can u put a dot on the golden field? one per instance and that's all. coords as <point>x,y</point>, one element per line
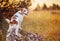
<point>45,23</point>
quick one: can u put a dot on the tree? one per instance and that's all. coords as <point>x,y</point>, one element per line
<point>7,9</point>
<point>44,7</point>
<point>58,7</point>
<point>37,8</point>
<point>55,7</point>
<point>1,17</point>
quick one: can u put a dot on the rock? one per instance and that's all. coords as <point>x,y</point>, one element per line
<point>26,36</point>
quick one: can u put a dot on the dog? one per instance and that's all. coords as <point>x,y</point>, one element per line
<point>15,22</point>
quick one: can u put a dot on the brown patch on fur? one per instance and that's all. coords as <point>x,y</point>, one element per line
<point>14,22</point>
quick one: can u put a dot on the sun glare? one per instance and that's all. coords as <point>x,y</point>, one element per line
<point>41,2</point>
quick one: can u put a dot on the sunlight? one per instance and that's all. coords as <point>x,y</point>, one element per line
<point>34,4</point>
<point>41,2</point>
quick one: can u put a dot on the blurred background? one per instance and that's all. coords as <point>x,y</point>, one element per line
<point>43,19</point>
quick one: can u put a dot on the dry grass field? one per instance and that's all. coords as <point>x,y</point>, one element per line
<point>45,23</point>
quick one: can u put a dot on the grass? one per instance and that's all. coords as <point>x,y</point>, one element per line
<point>44,23</point>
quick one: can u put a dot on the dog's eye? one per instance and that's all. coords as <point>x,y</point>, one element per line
<point>24,10</point>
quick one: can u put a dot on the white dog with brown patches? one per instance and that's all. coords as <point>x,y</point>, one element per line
<point>16,20</point>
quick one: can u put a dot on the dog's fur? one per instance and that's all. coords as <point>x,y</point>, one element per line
<point>15,23</point>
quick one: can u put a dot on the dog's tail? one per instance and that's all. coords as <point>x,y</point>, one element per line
<point>7,20</point>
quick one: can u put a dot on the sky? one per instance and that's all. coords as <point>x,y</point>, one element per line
<point>47,2</point>
<point>41,2</point>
